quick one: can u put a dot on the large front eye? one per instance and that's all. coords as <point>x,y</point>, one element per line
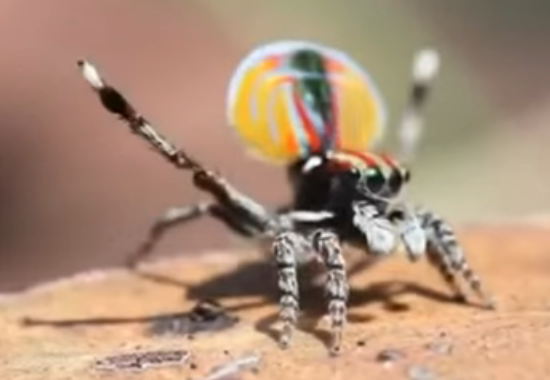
<point>350,177</point>
<point>374,180</point>
<point>406,175</point>
<point>396,180</point>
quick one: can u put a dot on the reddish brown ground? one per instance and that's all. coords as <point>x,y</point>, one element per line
<point>406,315</point>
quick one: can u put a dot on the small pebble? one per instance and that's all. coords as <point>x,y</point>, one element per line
<point>233,369</point>
<point>390,356</point>
<point>361,343</point>
<point>440,347</point>
<point>420,373</point>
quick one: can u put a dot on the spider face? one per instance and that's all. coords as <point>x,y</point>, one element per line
<point>372,176</point>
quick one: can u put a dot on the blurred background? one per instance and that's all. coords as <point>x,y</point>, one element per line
<point>78,191</point>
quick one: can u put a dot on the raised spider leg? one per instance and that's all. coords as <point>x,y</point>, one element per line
<point>286,247</point>
<point>242,207</point>
<point>445,251</point>
<point>380,233</point>
<point>425,68</point>
<point>327,244</point>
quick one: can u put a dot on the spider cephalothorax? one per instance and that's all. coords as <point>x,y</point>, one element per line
<point>315,110</point>
<point>372,176</point>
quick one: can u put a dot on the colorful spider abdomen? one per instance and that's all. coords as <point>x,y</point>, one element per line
<point>290,99</point>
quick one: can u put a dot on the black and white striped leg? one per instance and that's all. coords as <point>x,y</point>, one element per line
<point>239,207</point>
<point>442,242</point>
<point>425,68</point>
<point>445,269</point>
<point>327,244</point>
<point>286,247</point>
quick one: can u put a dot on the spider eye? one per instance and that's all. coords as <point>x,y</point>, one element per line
<point>406,175</point>
<point>396,181</point>
<point>350,176</point>
<point>375,180</point>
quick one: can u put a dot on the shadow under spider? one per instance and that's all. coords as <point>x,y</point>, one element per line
<point>259,279</point>
<point>206,315</point>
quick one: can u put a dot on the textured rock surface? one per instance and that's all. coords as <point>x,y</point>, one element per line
<point>395,306</point>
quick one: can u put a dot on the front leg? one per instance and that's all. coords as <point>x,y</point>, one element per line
<point>380,233</point>
<point>327,245</point>
<point>286,247</point>
<point>445,251</point>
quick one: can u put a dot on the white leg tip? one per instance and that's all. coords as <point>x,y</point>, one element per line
<point>91,74</point>
<point>426,65</point>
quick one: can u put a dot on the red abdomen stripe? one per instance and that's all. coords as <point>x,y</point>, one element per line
<point>367,158</point>
<point>312,135</point>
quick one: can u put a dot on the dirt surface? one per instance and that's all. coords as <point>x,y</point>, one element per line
<point>403,324</point>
